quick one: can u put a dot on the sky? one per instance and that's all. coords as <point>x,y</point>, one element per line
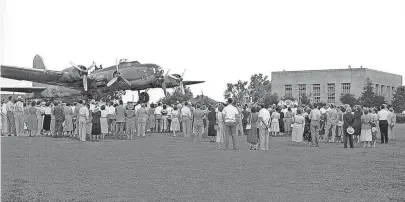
<point>216,41</point>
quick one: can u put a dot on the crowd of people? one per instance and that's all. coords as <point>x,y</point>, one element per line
<point>96,120</point>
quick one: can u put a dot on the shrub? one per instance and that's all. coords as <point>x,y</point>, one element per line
<point>400,118</point>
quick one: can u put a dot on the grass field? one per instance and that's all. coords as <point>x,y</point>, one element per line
<point>163,168</point>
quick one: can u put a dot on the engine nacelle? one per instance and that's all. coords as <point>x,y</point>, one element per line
<point>72,74</point>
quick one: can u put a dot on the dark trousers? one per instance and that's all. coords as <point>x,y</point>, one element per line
<point>384,131</point>
<point>169,124</point>
<point>58,128</point>
<point>348,136</point>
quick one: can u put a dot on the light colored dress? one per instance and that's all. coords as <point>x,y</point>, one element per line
<point>175,126</point>
<point>32,122</point>
<point>366,134</point>
<point>67,110</point>
<point>104,122</point>
<point>298,128</point>
<point>220,132</point>
<point>288,121</point>
<point>130,121</point>
<point>275,126</point>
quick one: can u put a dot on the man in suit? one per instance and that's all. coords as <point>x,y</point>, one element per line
<point>59,115</point>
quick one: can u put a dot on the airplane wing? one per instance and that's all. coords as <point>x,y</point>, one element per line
<point>23,89</point>
<point>28,74</point>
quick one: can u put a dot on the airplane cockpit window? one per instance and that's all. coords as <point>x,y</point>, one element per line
<point>135,63</point>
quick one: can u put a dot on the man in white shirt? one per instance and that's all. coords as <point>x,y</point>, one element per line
<point>169,110</point>
<point>158,114</point>
<point>92,105</point>
<point>264,120</point>
<point>19,117</point>
<point>392,120</point>
<point>111,118</point>
<point>383,123</point>
<point>331,123</point>
<point>83,119</point>
<point>230,115</point>
<point>186,119</point>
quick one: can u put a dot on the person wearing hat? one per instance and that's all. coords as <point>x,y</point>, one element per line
<point>19,116</point>
<point>96,123</point>
<point>348,127</point>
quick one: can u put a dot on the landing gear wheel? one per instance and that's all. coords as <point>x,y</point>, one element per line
<point>144,97</point>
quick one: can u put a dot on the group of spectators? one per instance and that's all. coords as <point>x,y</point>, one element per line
<point>95,120</point>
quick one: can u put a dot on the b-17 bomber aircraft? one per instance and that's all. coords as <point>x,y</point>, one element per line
<point>77,80</point>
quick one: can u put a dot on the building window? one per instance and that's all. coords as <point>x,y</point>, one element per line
<point>388,91</point>
<point>346,88</point>
<point>288,90</point>
<point>393,91</point>
<point>382,90</point>
<point>377,89</point>
<point>302,90</point>
<point>331,93</point>
<point>316,88</point>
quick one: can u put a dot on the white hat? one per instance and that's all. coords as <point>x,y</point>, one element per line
<point>350,130</point>
<point>19,97</point>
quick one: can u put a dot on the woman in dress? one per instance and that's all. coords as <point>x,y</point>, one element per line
<point>275,127</point>
<point>220,122</point>
<point>252,135</point>
<point>130,118</point>
<point>47,119</point>
<point>374,124</point>
<point>96,126</point>
<point>40,117</point>
<point>152,118</point>
<point>298,127</point>
<point>104,121</point>
<point>32,122</point>
<point>288,121</point>
<point>281,122</point>
<point>307,126</point>
<point>366,136</point>
<point>357,123</point>
<point>212,122</point>
<point>175,125</point>
<point>339,127</point>
<point>68,127</point>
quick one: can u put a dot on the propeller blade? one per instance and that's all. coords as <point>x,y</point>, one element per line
<point>116,61</point>
<point>126,81</point>
<point>173,77</point>
<point>183,73</point>
<point>77,67</point>
<point>182,88</point>
<point>164,88</point>
<point>91,66</point>
<point>112,81</point>
<point>167,73</point>
<point>85,82</point>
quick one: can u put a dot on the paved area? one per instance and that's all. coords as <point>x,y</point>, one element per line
<point>163,168</point>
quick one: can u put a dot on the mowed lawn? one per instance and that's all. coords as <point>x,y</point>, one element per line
<point>163,168</point>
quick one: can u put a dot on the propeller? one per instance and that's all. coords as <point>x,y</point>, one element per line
<point>85,72</point>
<point>118,76</point>
<point>180,79</point>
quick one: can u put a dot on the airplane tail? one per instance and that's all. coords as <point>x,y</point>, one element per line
<point>38,63</point>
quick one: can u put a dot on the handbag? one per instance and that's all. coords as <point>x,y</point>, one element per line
<point>249,126</point>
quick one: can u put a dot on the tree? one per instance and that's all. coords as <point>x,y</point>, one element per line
<point>398,101</point>
<point>269,99</point>
<point>259,86</point>
<point>237,91</point>
<point>347,98</point>
<point>368,97</point>
<point>172,98</point>
<point>305,100</point>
